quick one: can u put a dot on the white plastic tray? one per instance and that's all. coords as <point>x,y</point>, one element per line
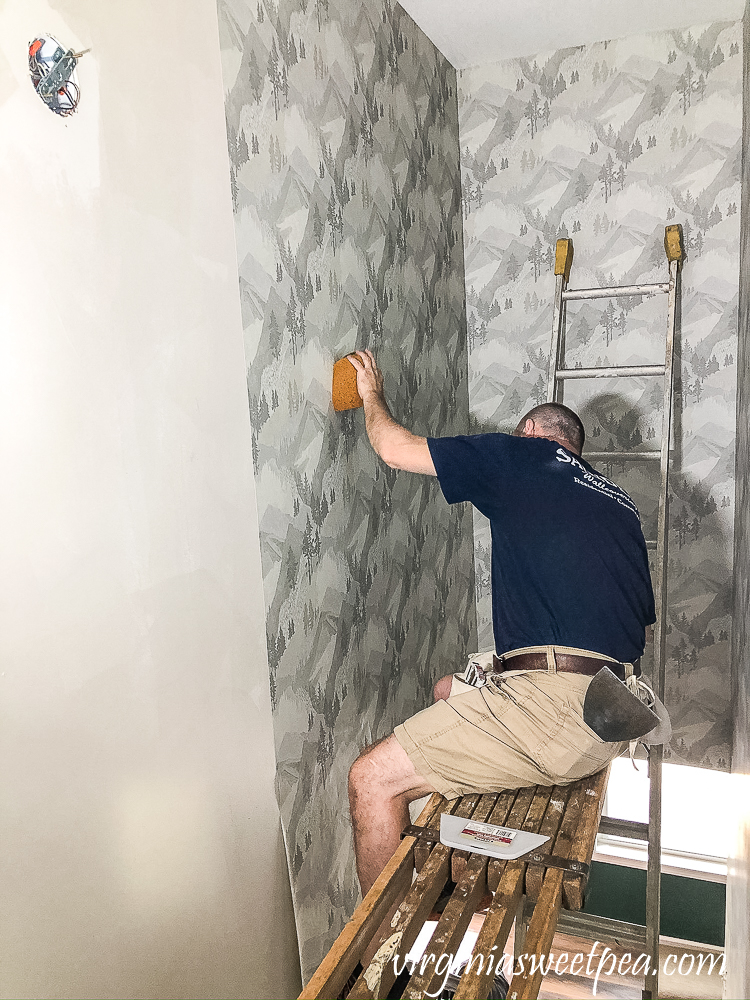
<point>486,838</point>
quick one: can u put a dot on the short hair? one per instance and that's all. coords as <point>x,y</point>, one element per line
<point>559,419</point>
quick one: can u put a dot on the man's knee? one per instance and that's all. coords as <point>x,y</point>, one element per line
<point>442,689</point>
<point>384,771</point>
<point>356,778</point>
<point>364,772</point>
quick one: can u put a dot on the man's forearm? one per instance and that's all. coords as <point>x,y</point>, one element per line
<point>398,447</point>
<point>382,430</point>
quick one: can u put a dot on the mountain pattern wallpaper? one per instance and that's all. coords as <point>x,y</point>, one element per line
<point>607,144</point>
<point>342,122</point>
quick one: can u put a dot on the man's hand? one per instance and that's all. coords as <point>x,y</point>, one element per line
<point>369,376</point>
<point>397,447</point>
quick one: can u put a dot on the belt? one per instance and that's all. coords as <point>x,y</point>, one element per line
<point>566,663</point>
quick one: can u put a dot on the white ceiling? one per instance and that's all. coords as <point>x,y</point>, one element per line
<point>476,32</point>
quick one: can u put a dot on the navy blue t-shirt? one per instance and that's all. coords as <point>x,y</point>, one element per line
<point>569,561</point>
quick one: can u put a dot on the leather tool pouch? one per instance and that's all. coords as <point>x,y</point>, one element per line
<point>613,712</point>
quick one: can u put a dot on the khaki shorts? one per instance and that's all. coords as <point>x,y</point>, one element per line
<point>522,728</point>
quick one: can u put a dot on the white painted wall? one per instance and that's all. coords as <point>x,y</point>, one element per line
<point>140,845</point>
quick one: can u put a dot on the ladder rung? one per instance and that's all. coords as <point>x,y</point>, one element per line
<point>621,371</point>
<point>613,291</point>
<point>622,456</point>
<point>592,927</point>
<point>623,828</point>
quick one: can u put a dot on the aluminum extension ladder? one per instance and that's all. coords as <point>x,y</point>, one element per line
<point>590,925</point>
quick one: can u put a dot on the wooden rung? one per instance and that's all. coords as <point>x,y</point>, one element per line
<point>476,980</point>
<point>423,847</point>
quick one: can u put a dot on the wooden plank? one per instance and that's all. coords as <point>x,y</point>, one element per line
<point>406,923</point>
<point>525,985</point>
<point>451,928</point>
<point>526,982</point>
<point>488,950</point>
<point>530,803</point>
<point>485,808</point>
<point>332,973</point>
<point>458,913</point>
<point>582,849</point>
<point>550,825</point>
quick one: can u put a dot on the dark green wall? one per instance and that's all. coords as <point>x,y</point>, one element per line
<point>690,908</point>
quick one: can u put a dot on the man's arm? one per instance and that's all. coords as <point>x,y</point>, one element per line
<point>397,447</point>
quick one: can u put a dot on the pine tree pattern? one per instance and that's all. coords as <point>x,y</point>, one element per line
<point>348,228</point>
<point>639,133</point>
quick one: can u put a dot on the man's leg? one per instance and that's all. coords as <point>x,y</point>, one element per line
<point>442,689</point>
<point>382,783</point>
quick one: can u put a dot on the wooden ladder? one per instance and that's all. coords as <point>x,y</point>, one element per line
<point>538,885</point>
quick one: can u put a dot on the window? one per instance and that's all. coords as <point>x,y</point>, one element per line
<point>697,818</point>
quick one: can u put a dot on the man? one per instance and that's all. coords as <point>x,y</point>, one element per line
<point>571,593</point>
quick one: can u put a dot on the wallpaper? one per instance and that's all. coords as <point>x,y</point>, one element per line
<point>342,124</point>
<point>608,143</point>
<point>738,864</point>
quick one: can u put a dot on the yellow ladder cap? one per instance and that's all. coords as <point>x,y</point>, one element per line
<point>673,242</point>
<point>564,258</point>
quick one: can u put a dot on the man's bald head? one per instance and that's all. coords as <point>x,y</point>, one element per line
<point>554,421</point>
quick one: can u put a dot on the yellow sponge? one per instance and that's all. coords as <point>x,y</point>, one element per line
<point>345,395</point>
